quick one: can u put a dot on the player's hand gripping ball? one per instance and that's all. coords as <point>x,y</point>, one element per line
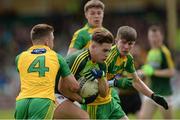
<point>88,87</point>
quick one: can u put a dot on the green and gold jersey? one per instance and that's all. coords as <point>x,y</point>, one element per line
<point>82,37</point>
<point>79,63</point>
<point>160,58</point>
<point>117,64</point>
<point>38,68</point>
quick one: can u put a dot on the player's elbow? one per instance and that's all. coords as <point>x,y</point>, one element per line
<point>172,72</point>
<point>60,89</point>
<point>75,88</point>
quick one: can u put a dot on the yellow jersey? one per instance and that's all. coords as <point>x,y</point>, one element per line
<point>38,68</point>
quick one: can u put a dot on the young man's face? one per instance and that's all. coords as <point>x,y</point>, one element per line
<point>100,51</point>
<point>95,16</point>
<point>155,38</point>
<point>124,46</point>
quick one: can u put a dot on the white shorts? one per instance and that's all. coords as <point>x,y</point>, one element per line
<point>60,99</point>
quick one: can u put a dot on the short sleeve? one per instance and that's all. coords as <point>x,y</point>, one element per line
<point>64,68</point>
<point>77,41</point>
<point>130,64</point>
<point>16,62</point>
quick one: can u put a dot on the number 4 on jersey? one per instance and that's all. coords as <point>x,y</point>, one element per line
<point>38,65</point>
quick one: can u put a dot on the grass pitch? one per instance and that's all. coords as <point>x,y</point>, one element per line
<point>9,114</point>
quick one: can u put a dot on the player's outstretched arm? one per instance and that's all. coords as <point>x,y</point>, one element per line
<point>68,86</point>
<point>160,100</point>
<point>148,70</point>
<point>139,85</point>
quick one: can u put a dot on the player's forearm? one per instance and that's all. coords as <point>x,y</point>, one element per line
<point>103,87</point>
<point>164,73</point>
<point>141,87</point>
<point>70,82</point>
<point>70,94</point>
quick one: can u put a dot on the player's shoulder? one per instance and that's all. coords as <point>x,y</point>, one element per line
<point>17,57</point>
<point>82,31</point>
<point>130,56</point>
<point>114,47</point>
<point>112,54</point>
<point>165,50</point>
<point>80,54</point>
<point>24,53</point>
<point>114,50</point>
<point>59,56</point>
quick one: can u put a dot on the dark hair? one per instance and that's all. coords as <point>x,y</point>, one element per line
<point>102,35</point>
<point>93,3</point>
<point>155,28</point>
<point>40,30</point>
<point>126,32</point>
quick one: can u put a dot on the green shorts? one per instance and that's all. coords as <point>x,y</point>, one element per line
<point>111,110</point>
<point>34,108</point>
<point>115,95</point>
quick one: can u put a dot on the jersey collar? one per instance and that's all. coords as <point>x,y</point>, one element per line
<point>39,46</point>
<point>89,26</point>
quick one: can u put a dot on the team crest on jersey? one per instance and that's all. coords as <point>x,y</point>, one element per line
<point>121,61</point>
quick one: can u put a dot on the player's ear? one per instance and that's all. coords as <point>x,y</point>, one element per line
<point>115,40</point>
<point>46,42</point>
<point>86,15</point>
<point>93,45</point>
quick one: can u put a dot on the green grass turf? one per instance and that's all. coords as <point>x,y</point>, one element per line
<point>158,115</point>
<point>8,114</point>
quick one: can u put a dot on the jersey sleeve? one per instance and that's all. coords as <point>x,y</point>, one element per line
<point>110,59</point>
<point>70,60</point>
<point>76,60</point>
<point>77,40</point>
<point>130,64</point>
<point>64,68</point>
<point>103,67</point>
<point>110,68</point>
<point>16,62</point>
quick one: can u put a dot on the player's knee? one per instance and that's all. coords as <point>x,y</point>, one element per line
<point>83,115</point>
<point>124,118</point>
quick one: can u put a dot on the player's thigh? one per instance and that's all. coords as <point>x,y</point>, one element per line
<point>111,110</point>
<point>41,108</point>
<point>21,110</point>
<point>69,110</point>
<point>148,108</point>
